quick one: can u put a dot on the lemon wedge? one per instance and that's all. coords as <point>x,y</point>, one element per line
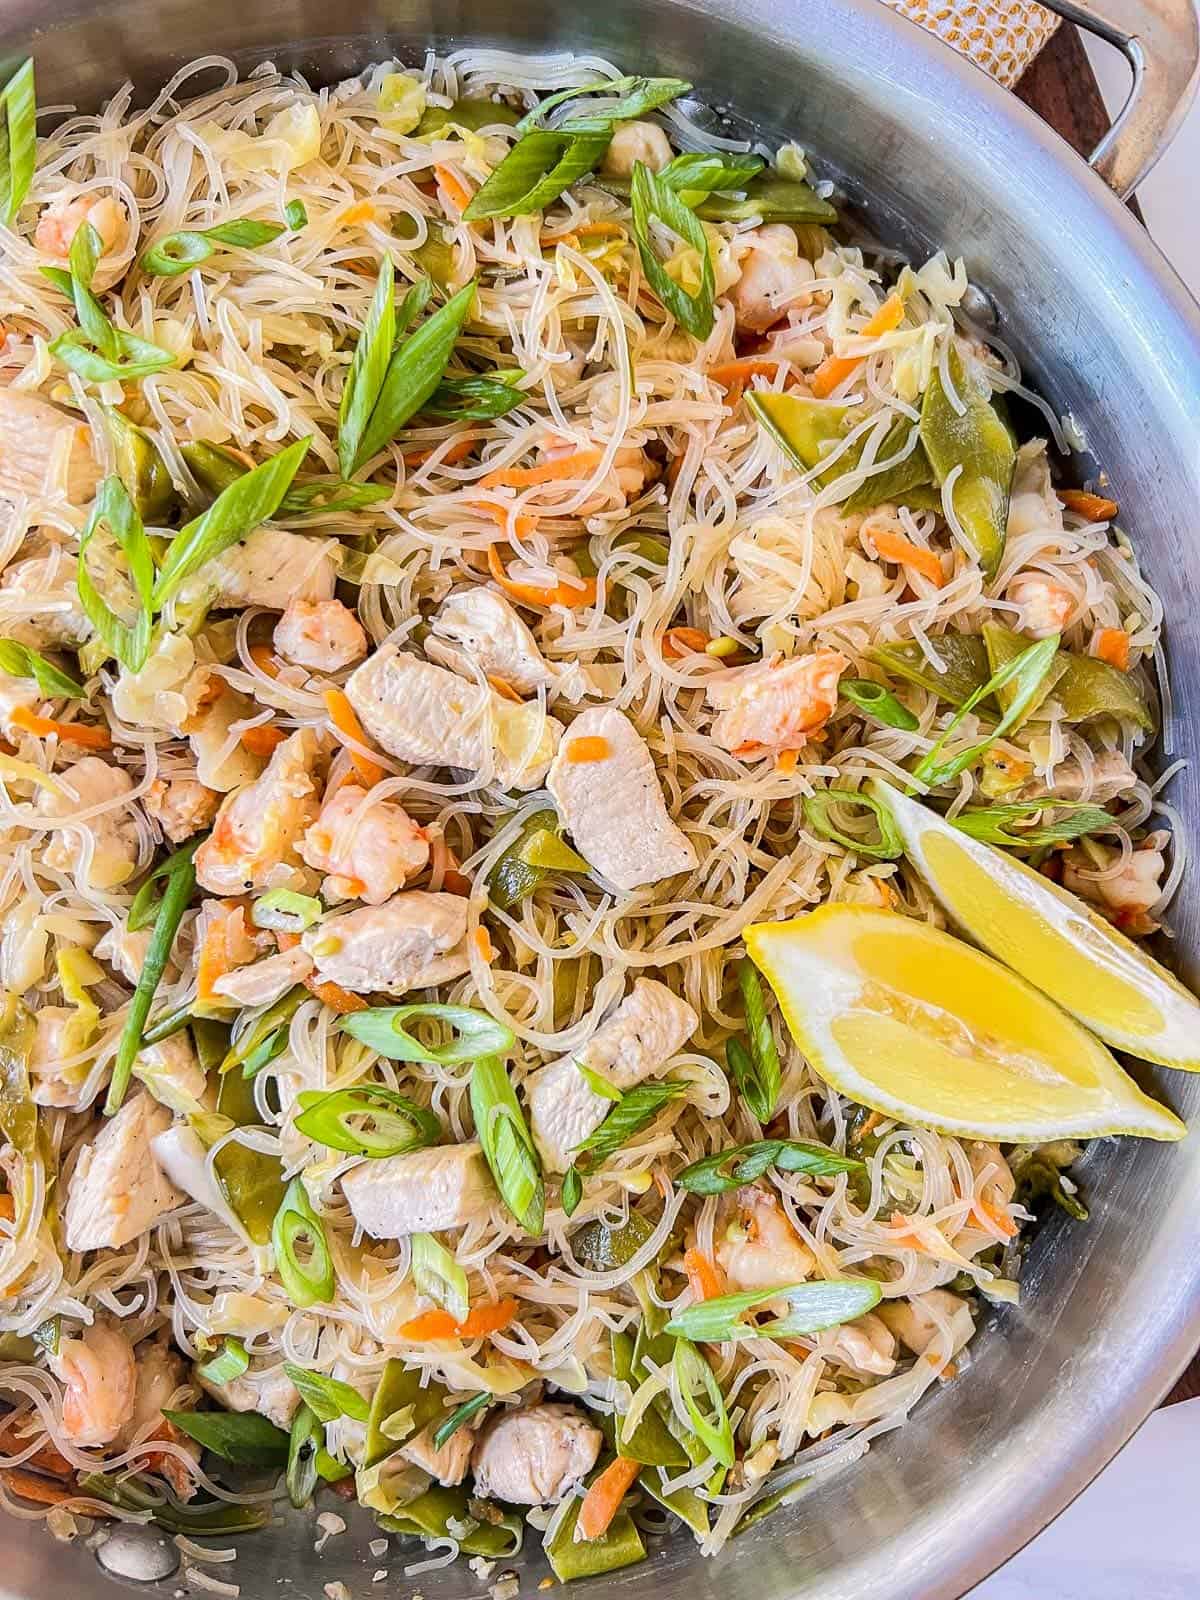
<point>920,1026</point>
<point>1051,938</point>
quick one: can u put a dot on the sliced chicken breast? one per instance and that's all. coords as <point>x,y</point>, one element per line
<point>118,1189</point>
<point>44,452</point>
<point>412,941</point>
<point>531,1457</point>
<point>424,1191</point>
<point>270,568</point>
<point>253,842</point>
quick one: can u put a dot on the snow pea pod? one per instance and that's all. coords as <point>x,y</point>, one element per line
<point>651,1442</point>
<point>771,197</point>
<point>979,443</point>
<point>964,661</point>
<point>141,468</point>
<point>429,1517</point>
<point>1083,686</point>
<point>620,1545</point>
<point>808,430</point>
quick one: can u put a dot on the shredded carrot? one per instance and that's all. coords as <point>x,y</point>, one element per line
<point>504,689</point>
<point>592,748</point>
<point>1112,645</point>
<point>984,1211</point>
<point>551,241</point>
<point>444,859</point>
<point>603,1499</point>
<point>41,1491</point>
<point>265,659</point>
<point>361,211</point>
<point>262,739</point>
<point>484,945</point>
<point>677,642</point>
<point>703,1274</point>
<point>893,547</point>
<point>213,960</point>
<point>787,761</point>
<point>539,594</point>
<point>46,1458</point>
<point>603,228</point>
<point>87,734</point>
<point>522,526</point>
<point>729,373</point>
<point>454,187</point>
<point>341,714</point>
<point>458,451</point>
<point>834,369</point>
<point>572,466</point>
<point>334,996</point>
<point>8,1210</point>
<point>485,1319</point>
<point>286,941</point>
<point>1092,506</point>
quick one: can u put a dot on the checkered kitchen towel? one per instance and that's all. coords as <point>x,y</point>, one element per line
<point>1002,36</point>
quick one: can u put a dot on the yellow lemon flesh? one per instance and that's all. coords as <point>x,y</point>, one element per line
<point>920,1026</point>
<point>1051,938</point>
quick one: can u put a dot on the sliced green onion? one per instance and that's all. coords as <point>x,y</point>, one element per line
<point>636,96</point>
<point>368,368</point>
<point>181,883</point>
<point>306,1439</point>
<point>633,1112</point>
<point>697,174</point>
<point>993,824</point>
<point>330,496</point>
<point>693,1373</point>
<point>243,1437</point>
<point>536,171</point>
<point>310,1282</point>
<point>475,399</point>
<point>879,701</point>
<point>460,1414</point>
<point>97,350</point>
<point>366,1120</point>
<point>286,910</point>
<point>598,1085</point>
<point>113,509</point>
<point>652,200</point>
<point>760,1087</point>
<point>213,1517</point>
<point>730,1169</point>
<point>138,358</point>
<point>475,1033</point>
<point>438,1276</point>
<point>508,1146</point>
<point>264,1027</point>
<point>19,661</point>
<point>18,139</point>
<point>179,252</point>
<point>229,1363</point>
<point>572,1190</point>
<point>145,904</point>
<point>296,215</point>
<point>819,805</point>
<point>236,512</point>
<point>327,1398</point>
<point>1026,672</point>
<point>811,1307</point>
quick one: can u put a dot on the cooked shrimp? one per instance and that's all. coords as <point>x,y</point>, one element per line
<point>1125,895</point>
<point>101,1382</point>
<point>181,806</point>
<point>323,635</point>
<point>367,854</point>
<point>775,276</point>
<point>866,1345</point>
<point>775,706</point>
<point>62,219</point>
<point>1046,606</point>
<point>253,843</point>
<point>757,1247</point>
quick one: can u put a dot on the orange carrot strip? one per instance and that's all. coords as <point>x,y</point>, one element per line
<point>603,228</point>
<point>1092,506</point>
<point>341,714</point>
<point>677,642</point>
<point>893,547</point>
<point>484,945</point>
<point>787,761</point>
<point>984,1211</point>
<point>46,1458</point>
<point>603,1499</point>
<point>87,734</point>
<point>522,526</point>
<point>1112,645</point>
<point>213,960</point>
<point>262,739</point>
<point>504,689</point>
<point>458,451</point>
<point>265,659</point>
<point>8,1210</point>
<point>361,211</point>
<point>572,466</point>
<point>41,1491</point>
<point>704,1276</point>
<point>444,859</point>
<point>727,373</point>
<point>834,369</point>
<point>334,996</point>
<point>430,1325</point>
<point>454,187</point>
<point>439,1324</point>
<point>539,594</point>
<point>592,748</point>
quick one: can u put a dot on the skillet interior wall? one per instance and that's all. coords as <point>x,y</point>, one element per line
<point>1110,1308</point>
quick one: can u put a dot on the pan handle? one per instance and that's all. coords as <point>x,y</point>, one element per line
<point>1161,41</point>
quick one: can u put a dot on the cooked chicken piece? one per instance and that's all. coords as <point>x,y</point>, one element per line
<point>413,941</point>
<point>172,1073</point>
<point>263,982</point>
<point>98,1371</point>
<point>66,214</point>
<point>430,717</point>
<point>39,604</point>
<point>775,277</point>
<point>865,1345</point>
<point>1107,776</point>
<point>424,1191</point>
<point>1033,504</point>
<point>54,1041</point>
<point>777,705</point>
<point>44,451</point>
<point>449,1464</point>
<point>323,635</point>
<point>270,568</point>
<point>638,1040</point>
<point>1045,606</point>
<point>265,1389</point>
<point>484,631</point>
<point>756,1246</point>
<point>633,142</point>
<point>912,1323</point>
<point>253,842</point>
<point>367,848</point>
<point>181,806</point>
<point>1128,892</point>
<point>117,1190</point>
<point>103,848</point>
<point>222,761</point>
<point>183,1156</point>
<point>162,1380</point>
<point>611,802</point>
<point>532,1456</point>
